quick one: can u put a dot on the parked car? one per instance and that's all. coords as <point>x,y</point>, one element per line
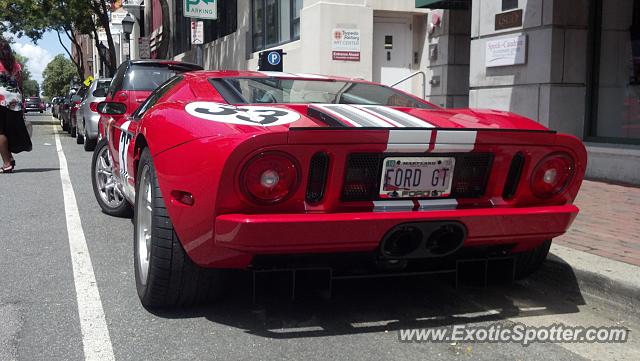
<point>88,116</point>
<point>34,104</point>
<point>136,79</point>
<point>65,108</point>
<point>244,170</point>
<point>55,106</point>
<point>76,101</point>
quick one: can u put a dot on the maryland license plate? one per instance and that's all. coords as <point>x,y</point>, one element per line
<point>417,177</point>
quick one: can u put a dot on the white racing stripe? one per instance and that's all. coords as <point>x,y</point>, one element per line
<point>455,141</point>
<point>393,206</point>
<point>437,204</point>
<point>93,325</point>
<point>408,141</point>
<point>396,116</point>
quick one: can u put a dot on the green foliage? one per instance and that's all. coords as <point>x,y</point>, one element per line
<point>30,88</point>
<point>57,76</point>
<point>33,18</point>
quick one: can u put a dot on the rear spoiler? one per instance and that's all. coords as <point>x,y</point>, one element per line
<point>432,136</point>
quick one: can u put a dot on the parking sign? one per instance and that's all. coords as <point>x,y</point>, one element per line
<point>201,9</point>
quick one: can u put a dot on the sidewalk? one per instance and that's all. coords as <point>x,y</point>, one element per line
<point>608,224</point>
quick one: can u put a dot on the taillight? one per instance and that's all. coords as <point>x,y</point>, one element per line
<point>93,106</point>
<point>552,175</point>
<point>269,178</point>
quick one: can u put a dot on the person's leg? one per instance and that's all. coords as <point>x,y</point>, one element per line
<point>4,151</point>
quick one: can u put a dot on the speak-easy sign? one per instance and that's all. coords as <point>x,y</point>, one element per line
<point>506,51</point>
<point>201,9</point>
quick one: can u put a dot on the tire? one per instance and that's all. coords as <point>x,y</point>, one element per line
<point>165,275</point>
<point>529,262</point>
<point>79,138</point>
<point>73,132</point>
<point>106,192</point>
<point>89,144</point>
<point>65,127</point>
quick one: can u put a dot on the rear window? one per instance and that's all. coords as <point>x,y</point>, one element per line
<point>34,100</point>
<point>148,77</point>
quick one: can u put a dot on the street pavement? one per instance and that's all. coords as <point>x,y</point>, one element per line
<point>39,304</point>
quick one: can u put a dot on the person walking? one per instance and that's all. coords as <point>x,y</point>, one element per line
<point>14,137</point>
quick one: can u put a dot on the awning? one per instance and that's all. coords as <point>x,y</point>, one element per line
<point>443,4</point>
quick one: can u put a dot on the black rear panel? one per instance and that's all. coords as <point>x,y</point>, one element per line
<point>363,174</point>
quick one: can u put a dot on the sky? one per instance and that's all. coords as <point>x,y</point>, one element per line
<point>39,54</point>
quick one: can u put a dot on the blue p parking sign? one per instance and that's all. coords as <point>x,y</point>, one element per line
<point>274,58</point>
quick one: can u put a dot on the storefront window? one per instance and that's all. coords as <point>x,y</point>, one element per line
<point>275,22</point>
<point>617,113</point>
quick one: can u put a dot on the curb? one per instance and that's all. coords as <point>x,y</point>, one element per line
<point>605,278</point>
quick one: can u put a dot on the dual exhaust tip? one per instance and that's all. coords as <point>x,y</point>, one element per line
<point>423,240</point>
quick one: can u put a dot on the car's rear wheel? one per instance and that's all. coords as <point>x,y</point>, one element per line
<point>165,275</point>
<point>105,187</point>
<point>79,137</point>
<point>73,132</point>
<point>64,125</point>
<point>89,144</point>
<point>529,262</point>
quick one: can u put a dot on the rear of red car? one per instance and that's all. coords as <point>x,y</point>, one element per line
<point>353,190</point>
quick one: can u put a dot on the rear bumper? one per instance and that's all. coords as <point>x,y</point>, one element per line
<point>361,232</point>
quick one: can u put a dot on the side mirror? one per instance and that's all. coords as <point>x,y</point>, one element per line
<point>100,93</point>
<point>111,108</point>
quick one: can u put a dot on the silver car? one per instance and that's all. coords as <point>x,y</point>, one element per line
<point>87,115</point>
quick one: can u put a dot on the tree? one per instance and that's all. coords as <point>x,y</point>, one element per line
<point>58,75</point>
<point>33,18</point>
<point>30,88</point>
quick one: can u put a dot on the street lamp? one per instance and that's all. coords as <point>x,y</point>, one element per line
<point>127,29</point>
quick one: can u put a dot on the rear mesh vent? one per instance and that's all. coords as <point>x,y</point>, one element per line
<point>317,177</point>
<point>471,174</point>
<point>362,176</point>
<point>513,177</point>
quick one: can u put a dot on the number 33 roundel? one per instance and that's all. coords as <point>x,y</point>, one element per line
<point>243,115</point>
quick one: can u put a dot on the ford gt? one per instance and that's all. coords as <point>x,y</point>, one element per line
<point>250,170</point>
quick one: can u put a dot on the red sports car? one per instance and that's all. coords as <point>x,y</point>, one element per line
<point>245,170</point>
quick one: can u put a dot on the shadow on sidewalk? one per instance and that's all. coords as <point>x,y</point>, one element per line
<point>35,170</point>
<point>379,305</point>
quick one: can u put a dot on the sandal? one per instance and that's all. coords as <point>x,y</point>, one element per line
<point>6,170</point>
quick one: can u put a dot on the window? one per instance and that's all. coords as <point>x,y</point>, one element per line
<point>275,22</point>
<point>227,23</point>
<point>146,77</point>
<point>155,96</point>
<point>614,87</point>
<point>509,4</point>
<point>287,91</point>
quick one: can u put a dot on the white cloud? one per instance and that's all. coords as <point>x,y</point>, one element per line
<point>38,58</point>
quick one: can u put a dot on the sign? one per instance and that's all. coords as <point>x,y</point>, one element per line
<point>345,44</point>
<point>506,51</point>
<point>117,16</point>
<point>346,55</point>
<point>144,47</point>
<point>270,60</point>
<point>102,35</point>
<point>197,32</point>
<point>201,9</point>
<point>126,51</point>
<point>88,81</point>
<point>511,19</point>
<point>274,58</point>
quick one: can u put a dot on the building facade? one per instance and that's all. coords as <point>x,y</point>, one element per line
<point>572,65</point>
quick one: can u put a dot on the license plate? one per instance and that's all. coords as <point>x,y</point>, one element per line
<point>417,177</point>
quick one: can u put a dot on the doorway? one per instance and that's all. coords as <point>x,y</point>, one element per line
<point>392,49</point>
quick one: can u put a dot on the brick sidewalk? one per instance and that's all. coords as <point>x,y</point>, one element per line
<point>608,224</point>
